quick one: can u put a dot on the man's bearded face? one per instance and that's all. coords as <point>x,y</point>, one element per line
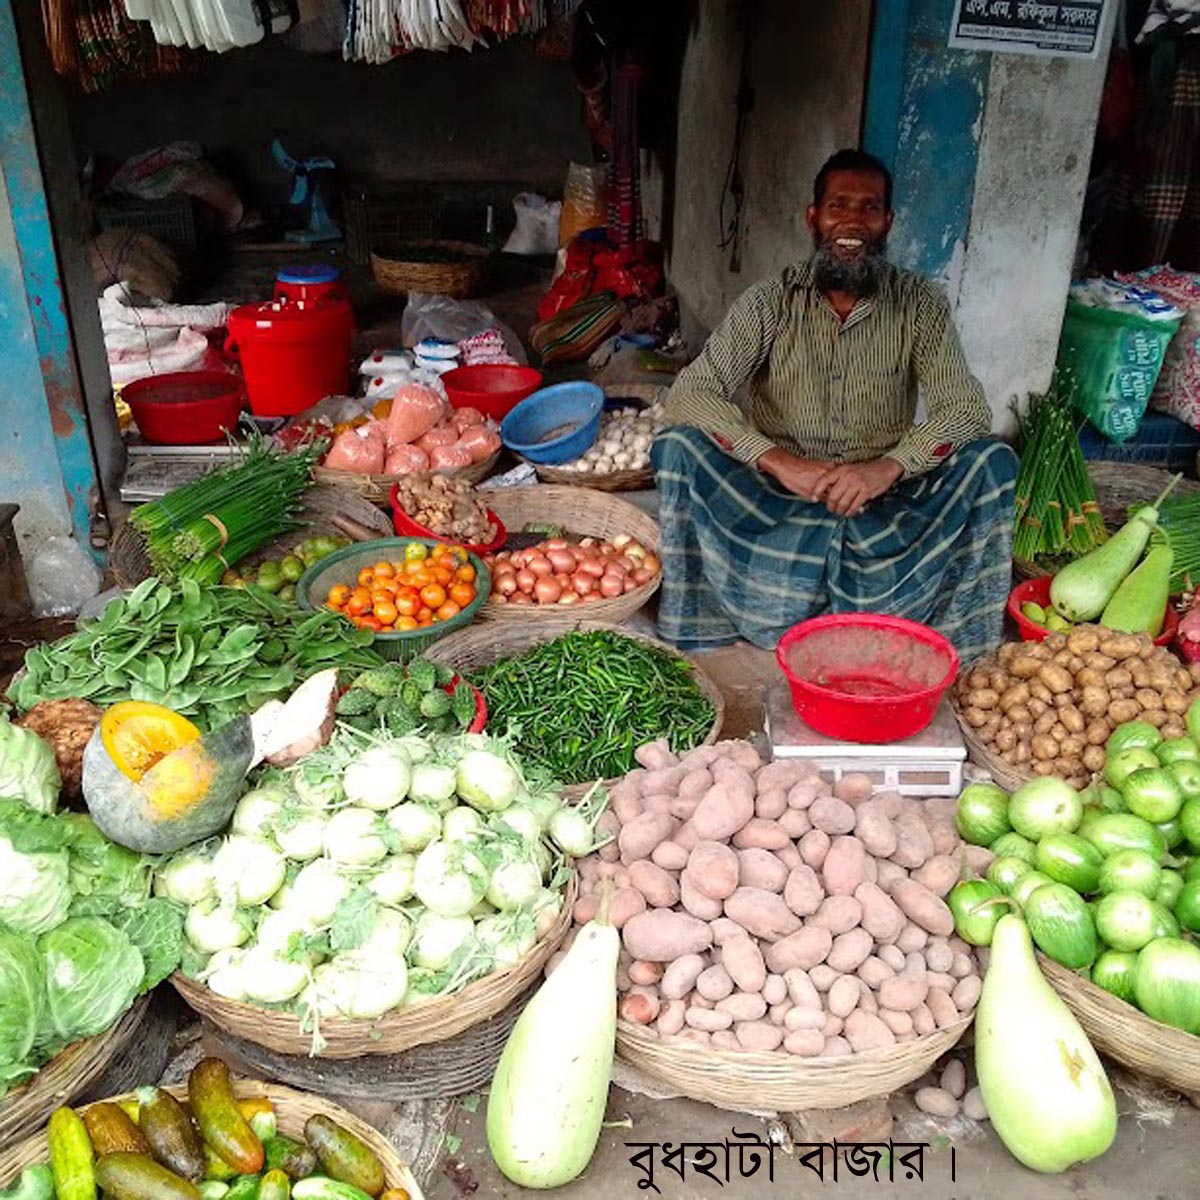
<point>850,227</point>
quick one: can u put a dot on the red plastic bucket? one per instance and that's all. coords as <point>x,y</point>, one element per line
<point>185,408</point>
<point>495,389</point>
<point>862,677</point>
<point>293,354</point>
<point>311,282</point>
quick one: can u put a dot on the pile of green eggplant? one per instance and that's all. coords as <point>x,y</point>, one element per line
<point>1108,878</point>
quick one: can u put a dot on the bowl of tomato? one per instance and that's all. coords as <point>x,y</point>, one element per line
<point>407,592</point>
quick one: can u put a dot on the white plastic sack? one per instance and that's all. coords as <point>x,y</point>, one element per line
<point>536,231</point>
<point>61,577</point>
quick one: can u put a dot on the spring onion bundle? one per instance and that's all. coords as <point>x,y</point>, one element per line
<point>1056,509</point>
<point>199,530</point>
<point>1179,523</point>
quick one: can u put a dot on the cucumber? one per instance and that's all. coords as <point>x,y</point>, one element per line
<point>293,1158</point>
<point>215,1167</point>
<point>36,1183</point>
<point>71,1157</point>
<point>221,1123</point>
<point>275,1186</point>
<point>343,1156</point>
<point>170,1133</point>
<point>319,1187</point>
<point>245,1187</point>
<point>125,1176</point>
<point>111,1128</point>
<point>213,1189</point>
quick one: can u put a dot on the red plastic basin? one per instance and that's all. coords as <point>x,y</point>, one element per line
<point>405,526</point>
<point>1037,591</point>
<point>495,389</point>
<point>185,408</point>
<point>864,677</point>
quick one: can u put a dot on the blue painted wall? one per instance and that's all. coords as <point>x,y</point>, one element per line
<point>46,462</point>
<point>922,117</point>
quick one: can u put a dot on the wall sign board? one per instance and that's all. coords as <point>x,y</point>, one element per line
<point>1050,28</point>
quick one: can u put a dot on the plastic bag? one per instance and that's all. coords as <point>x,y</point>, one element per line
<point>583,204</point>
<point>415,411</point>
<point>430,315</point>
<point>404,460</point>
<point>62,577</point>
<point>480,442</point>
<point>463,418</point>
<point>440,435</point>
<point>443,458</point>
<point>360,450</point>
<point>536,231</point>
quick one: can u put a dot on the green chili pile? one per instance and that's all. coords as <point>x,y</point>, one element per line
<point>578,707</point>
<point>209,653</point>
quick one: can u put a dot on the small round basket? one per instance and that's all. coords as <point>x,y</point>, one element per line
<point>68,1075</point>
<point>292,1110</point>
<point>471,650</point>
<point>777,1081</point>
<point>1005,774</point>
<point>584,512</point>
<point>343,566</point>
<point>433,1021</point>
<point>643,394</point>
<point>1126,1034</point>
<point>321,505</point>
<point>447,268</point>
<point>376,489</point>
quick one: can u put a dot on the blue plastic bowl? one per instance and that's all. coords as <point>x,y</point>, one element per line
<point>556,424</point>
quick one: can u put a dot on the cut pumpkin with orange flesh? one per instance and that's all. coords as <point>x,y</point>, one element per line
<point>139,735</point>
<point>154,783</point>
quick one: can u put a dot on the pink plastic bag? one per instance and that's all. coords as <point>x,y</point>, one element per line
<point>480,442</point>
<point>416,409</point>
<point>404,460</point>
<point>360,450</point>
<point>449,458</point>
<point>464,418</point>
<point>439,435</point>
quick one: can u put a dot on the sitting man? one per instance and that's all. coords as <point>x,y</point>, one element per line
<point>828,496</point>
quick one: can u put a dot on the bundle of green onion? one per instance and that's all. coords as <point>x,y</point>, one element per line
<point>201,529</point>
<point>1056,509</point>
<point>1179,523</point>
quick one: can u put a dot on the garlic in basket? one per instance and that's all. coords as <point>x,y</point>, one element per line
<point>624,441</point>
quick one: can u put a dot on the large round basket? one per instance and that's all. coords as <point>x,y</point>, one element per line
<point>1125,1034</point>
<point>462,1063</point>
<point>579,511</point>
<point>614,481</point>
<point>1005,774</point>
<point>131,564</point>
<point>420,1025</point>
<point>292,1109</point>
<point>398,270</point>
<point>68,1075</point>
<point>376,489</point>
<point>779,1082</point>
<point>470,650</point>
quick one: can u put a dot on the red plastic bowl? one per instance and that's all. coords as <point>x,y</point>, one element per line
<point>495,389</point>
<point>864,677</point>
<point>405,526</point>
<point>186,408</point>
<point>1038,591</point>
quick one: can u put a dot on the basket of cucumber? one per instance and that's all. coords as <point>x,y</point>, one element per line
<point>249,1139</point>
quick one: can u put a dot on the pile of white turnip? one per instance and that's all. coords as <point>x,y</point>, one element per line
<point>761,909</point>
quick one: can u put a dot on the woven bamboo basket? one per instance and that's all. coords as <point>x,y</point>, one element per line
<point>1125,1034</point>
<point>292,1110</point>
<point>131,564</point>
<point>1005,774</point>
<point>394,273</point>
<point>67,1076</point>
<point>421,1025</point>
<point>613,481</point>
<point>470,650</point>
<point>777,1081</point>
<point>580,511</point>
<point>375,489</point>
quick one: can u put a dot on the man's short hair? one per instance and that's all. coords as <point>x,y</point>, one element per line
<point>852,160</point>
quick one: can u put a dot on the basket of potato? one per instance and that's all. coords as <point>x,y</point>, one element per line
<point>1048,708</point>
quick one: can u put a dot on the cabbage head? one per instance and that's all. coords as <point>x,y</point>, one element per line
<point>93,973</point>
<point>22,998</point>
<point>34,889</point>
<point>28,770</point>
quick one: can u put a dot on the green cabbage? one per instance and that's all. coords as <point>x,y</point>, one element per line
<point>156,929</point>
<point>93,974</point>
<point>104,878</point>
<point>22,998</point>
<point>34,895</point>
<point>28,771</point>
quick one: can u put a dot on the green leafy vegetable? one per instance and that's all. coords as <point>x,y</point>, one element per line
<point>353,920</point>
<point>156,929</point>
<point>22,997</point>
<point>28,771</point>
<point>104,878</point>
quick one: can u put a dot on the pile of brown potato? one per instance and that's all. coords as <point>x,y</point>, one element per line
<point>1049,707</point>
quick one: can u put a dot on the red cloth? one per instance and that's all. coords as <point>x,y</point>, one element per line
<point>596,266</point>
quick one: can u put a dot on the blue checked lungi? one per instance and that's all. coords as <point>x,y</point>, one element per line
<point>744,559</point>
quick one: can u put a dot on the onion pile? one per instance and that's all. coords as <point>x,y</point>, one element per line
<point>557,571</point>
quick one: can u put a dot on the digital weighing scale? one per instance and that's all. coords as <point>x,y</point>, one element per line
<point>927,764</point>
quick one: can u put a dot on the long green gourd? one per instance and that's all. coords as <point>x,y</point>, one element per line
<point>1082,589</point>
<point>1140,603</point>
